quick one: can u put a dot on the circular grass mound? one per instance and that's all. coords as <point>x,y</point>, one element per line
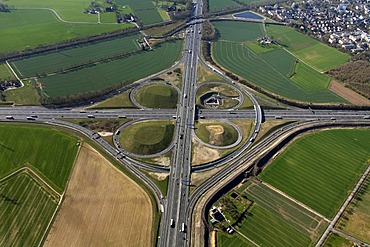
<point>147,138</point>
<point>157,96</point>
<point>228,94</point>
<point>216,133</point>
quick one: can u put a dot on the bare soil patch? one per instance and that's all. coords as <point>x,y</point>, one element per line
<point>215,133</point>
<point>202,154</point>
<point>159,175</point>
<point>102,207</point>
<point>348,94</point>
<point>104,133</point>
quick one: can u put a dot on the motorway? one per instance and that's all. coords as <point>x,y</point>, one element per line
<point>179,205</point>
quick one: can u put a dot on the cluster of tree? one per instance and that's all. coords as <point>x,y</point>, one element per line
<point>100,125</point>
<point>353,71</point>
<point>360,88</point>
<point>180,15</point>
<point>229,207</point>
<point>4,8</point>
<point>9,83</point>
<point>206,51</point>
<point>210,33</point>
<point>66,44</point>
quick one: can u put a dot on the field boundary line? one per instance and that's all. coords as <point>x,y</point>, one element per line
<point>47,185</point>
<point>295,201</point>
<point>250,240</point>
<point>15,74</point>
<point>291,53</point>
<point>13,173</point>
<point>344,206</point>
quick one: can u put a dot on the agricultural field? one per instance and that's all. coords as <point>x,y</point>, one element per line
<point>5,73</point>
<point>273,71</point>
<point>145,10</point>
<point>68,10</point>
<point>277,221</point>
<point>121,100</point>
<point>147,137</point>
<point>321,168</point>
<point>26,207</point>
<point>54,61</point>
<point>157,96</point>
<point>217,5</point>
<point>355,219</point>
<point>102,206</point>
<point>312,52</point>
<point>216,133</point>
<point>335,240</point>
<point>120,71</point>
<point>25,146</point>
<point>31,28</point>
<point>235,240</point>
<point>238,31</point>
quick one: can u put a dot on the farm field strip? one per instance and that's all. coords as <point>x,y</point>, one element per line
<point>224,240</point>
<point>231,30</point>
<point>30,28</point>
<point>216,5</point>
<point>319,177</point>
<point>52,61</point>
<point>281,209</point>
<point>125,70</point>
<point>265,228</point>
<point>110,206</point>
<point>24,146</point>
<point>266,71</point>
<point>316,54</point>
<point>26,208</point>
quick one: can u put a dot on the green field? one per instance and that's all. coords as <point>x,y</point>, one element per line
<point>321,168</point>
<point>70,10</point>
<point>267,229</point>
<point>316,54</point>
<point>30,28</point>
<point>157,96</point>
<point>121,71</point>
<point>229,136</point>
<point>26,146</point>
<point>235,240</point>
<point>147,137</point>
<point>144,10</point>
<point>54,61</point>
<point>335,240</point>
<point>26,207</point>
<point>238,31</point>
<point>217,5</point>
<point>272,70</point>
<point>5,73</point>
<point>259,48</point>
<point>355,219</point>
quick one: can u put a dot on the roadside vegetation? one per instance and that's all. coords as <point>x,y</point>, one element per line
<point>216,133</point>
<point>321,168</point>
<point>157,96</point>
<point>147,137</point>
<point>335,240</point>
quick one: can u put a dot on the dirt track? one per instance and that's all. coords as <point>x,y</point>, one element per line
<point>102,207</point>
<point>348,94</point>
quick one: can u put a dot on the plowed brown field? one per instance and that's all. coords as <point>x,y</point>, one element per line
<point>102,207</point>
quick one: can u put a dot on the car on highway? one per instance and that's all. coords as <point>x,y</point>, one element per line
<point>172,223</point>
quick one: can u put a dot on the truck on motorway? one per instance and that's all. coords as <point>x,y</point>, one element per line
<point>30,118</point>
<point>367,117</point>
<point>172,223</point>
<point>121,116</point>
<point>90,116</point>
<point>174,116</point>
<point>9,117</point>
<point>183,227</point>
<point>278,117</point>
